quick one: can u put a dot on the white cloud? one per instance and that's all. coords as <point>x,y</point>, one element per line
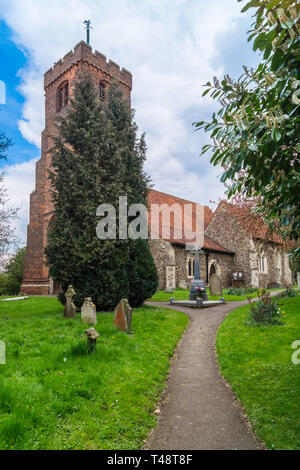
<point>166,44</point>
<point>19,182</point>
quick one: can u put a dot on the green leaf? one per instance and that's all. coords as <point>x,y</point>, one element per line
<point>276,135</point>
<point>224,177</point>
<point>205,149</point>
<point>273,4</point>
<point>198,124</point>
<point>253,147</point>
<point>277,60</point>
<point>268,51</point>
<point>215,132</point>
<point>205,92</point>
<point>260,42</point>
<point>252,4</point>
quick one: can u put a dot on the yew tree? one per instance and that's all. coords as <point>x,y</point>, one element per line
<point>97,157</point>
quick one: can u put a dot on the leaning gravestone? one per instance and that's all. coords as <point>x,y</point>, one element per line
<point>88,312</point>
<point>123,315</point>
<point>70,309</point>
<point>215,285</point>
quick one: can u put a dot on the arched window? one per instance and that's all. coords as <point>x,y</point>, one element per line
<point>62,96</point>
<point>102,91</point>
<point>190,266</point>
<point>262,263</point>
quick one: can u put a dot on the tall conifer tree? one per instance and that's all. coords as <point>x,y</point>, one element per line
<point>141,269</point>
<point>95,160</point>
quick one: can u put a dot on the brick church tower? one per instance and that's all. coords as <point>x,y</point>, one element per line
<point>59,85</point>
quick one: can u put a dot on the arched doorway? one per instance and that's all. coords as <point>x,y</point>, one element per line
<point>212,270</point>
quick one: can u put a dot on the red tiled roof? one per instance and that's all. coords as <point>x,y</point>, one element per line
<point>157,197</point>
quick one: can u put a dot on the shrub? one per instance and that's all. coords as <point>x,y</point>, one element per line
<point>250,290</point>
<point>240,291</point>
<point>236,291</point>
<point>3,279</point>
<point>11,279</point>
<point>289,291</point>
<point>265,311</point>
<point>273,285</point>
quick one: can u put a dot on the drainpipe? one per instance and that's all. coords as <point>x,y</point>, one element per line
<point>207,256</point>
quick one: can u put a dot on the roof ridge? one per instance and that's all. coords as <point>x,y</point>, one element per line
<point>181,198</point>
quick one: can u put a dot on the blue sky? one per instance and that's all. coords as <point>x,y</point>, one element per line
<point>172,47</point>
<point>13,60</point>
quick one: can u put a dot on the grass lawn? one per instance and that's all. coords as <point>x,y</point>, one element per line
<point>256,361</point>
<point>182,294</point>
<point>55,396</point>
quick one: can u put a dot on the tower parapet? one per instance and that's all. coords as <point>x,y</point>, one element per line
<point>83,53</point>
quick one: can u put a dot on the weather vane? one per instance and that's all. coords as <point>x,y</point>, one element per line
<point>88,28</point>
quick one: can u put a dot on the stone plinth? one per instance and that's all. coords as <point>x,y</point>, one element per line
<point>196,303</point>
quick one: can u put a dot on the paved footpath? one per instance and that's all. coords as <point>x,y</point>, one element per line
<point>198,410</point>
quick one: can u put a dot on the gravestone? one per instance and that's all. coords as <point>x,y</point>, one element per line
<point>183,284</point>
<point>88,312</point>
<point>92,336</point>
<point>215,285</point>
<point>2,352</point>
<point>170,279</point>
<point>123,315</point>
<point>70,309</point>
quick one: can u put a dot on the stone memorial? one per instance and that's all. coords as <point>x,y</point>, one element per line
<point>215,285</point>
<point>197,283</point>
<point>70,309</point>
<point>88,312</point>
<point>170,279</point>
<point>92,336</point>
<point>123,315</point>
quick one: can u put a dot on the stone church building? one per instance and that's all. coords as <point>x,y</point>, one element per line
<point>237,252</point>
